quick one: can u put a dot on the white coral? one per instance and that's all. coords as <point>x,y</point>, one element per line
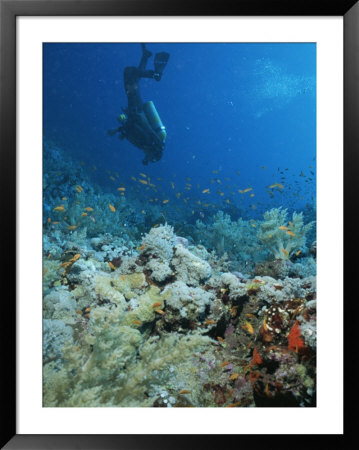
<point>183,297</point>
<point>189,268</point>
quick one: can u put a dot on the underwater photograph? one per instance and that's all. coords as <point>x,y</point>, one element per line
<point>179,225</point>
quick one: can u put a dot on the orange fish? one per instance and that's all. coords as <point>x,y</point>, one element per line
<point>159,311</point>
<point>233,405</point>
<point>283,228</point>
<point>248,327</point>
<point>266,390</point>
<point>234,376</point>
<point>252,316</point>
<point>225,363</point>
<point>84,214</point>
<point>137,322</point>
<point>111,265</point>
<point>55,223</point>
<point>123,277</point>
<point>65,264</point>
<point>209,322</point>
<point>60,208</point>
<point>45,270</point>
<point>141,247</point>
<point>165,201</point>
<point>184,391</point>
<point>112,208</point>
<point>156,304</point>
<point>220,339</point>
<point>72,227</point>
<point>290,233</point>
<point>285,251</point>
<point>88,208</point>
<point>49,220</point>
<point>76,257</point>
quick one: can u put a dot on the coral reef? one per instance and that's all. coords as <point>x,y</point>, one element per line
<point>220,313</point>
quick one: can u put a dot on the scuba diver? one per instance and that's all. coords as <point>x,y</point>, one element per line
<point>140,122</point>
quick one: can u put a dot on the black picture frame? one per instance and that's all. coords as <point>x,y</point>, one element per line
<point>9,10</point>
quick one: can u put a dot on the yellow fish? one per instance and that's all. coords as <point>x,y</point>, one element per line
<point>143,181</point>
<point>298,252</point>
<point>248,327</point>
<point>84,214</point>
<point>112,208</point>
<point>285,251</point>
<point>283,228</point>
<point>290,233</point>
<point>165,201</point>
<point>205,191</point>
<point>79,188</point>
<point>60,208</point>
<point>111,265</point>
<point>291,224</point>
<point>72,227</point>
<point>88,208</point>
<point>121,188</point>
<point>143,175</point>
<point>234,376</point>
<point>64,198</point>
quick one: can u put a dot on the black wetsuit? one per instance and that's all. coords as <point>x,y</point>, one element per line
<point>137,128</point>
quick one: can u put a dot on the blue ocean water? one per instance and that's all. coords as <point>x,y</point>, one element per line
<point>237,116</point>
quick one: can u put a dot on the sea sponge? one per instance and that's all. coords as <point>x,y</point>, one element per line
<point>189,268</point>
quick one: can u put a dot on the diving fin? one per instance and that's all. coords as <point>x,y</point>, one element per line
<point>161,60</point>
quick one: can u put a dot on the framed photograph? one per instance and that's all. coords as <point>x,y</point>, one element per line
<point>174,180</point>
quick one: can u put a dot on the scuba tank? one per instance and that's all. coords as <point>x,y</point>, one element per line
<point>154,119</point>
